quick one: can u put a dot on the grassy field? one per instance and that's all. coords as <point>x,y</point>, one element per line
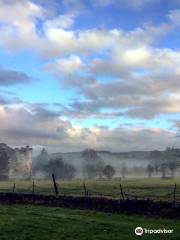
<point>43,223</point>
<point>150,188</point>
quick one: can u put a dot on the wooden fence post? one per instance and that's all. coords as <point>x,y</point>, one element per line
<point>174,195</point>
<point>85,189</point>
<point>14,186</point>
<point>121,189</point>
<point>55,185</point>
<point>33,187</point>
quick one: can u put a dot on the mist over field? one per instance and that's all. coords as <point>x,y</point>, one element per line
<point>126,164</point>
<point>19,163</point>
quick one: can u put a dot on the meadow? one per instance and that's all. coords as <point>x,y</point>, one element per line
<point>43,223</point>
<point>152,188</point>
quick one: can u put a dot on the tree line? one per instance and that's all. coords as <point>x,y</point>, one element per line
<point>164,163</point>
<point>93,166</point>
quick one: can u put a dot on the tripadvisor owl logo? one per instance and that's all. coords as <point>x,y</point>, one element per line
<point>139,231</point>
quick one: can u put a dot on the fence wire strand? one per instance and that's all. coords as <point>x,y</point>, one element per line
<point>128,192</point>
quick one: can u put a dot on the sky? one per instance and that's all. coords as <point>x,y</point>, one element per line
<point>101,74</point>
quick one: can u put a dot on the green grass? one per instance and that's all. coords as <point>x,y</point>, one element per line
<point>43,223</point>
<point>154,188</point>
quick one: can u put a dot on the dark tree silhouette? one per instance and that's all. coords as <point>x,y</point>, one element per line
<point>172,165</point>
<point>108,171</point>
<point>163,169</point>
<point>61,170</point>
<point>3,165</point>
<point>165,161</point>
<point>43,156</point>
<point>155,165</point>
<point>150,170</point>
<point>93,164</point>
<point>41,161</point>
<point>156,157</point>
<point>171,155</point>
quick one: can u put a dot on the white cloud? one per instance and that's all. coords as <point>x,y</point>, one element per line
<point>18,23</point>
<point>55,38</point>
<point>15,12</point>
<point>61,22</point>
<point>50,130</point>
<point>98,41</point>
<point>65,42</point>
<point>65,66</point>
<point>136,57</point>
<point>17,121</point>
<point>144,58</point>
<point>145,78</point>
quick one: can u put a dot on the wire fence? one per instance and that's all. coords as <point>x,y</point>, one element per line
<point>117,191</point>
